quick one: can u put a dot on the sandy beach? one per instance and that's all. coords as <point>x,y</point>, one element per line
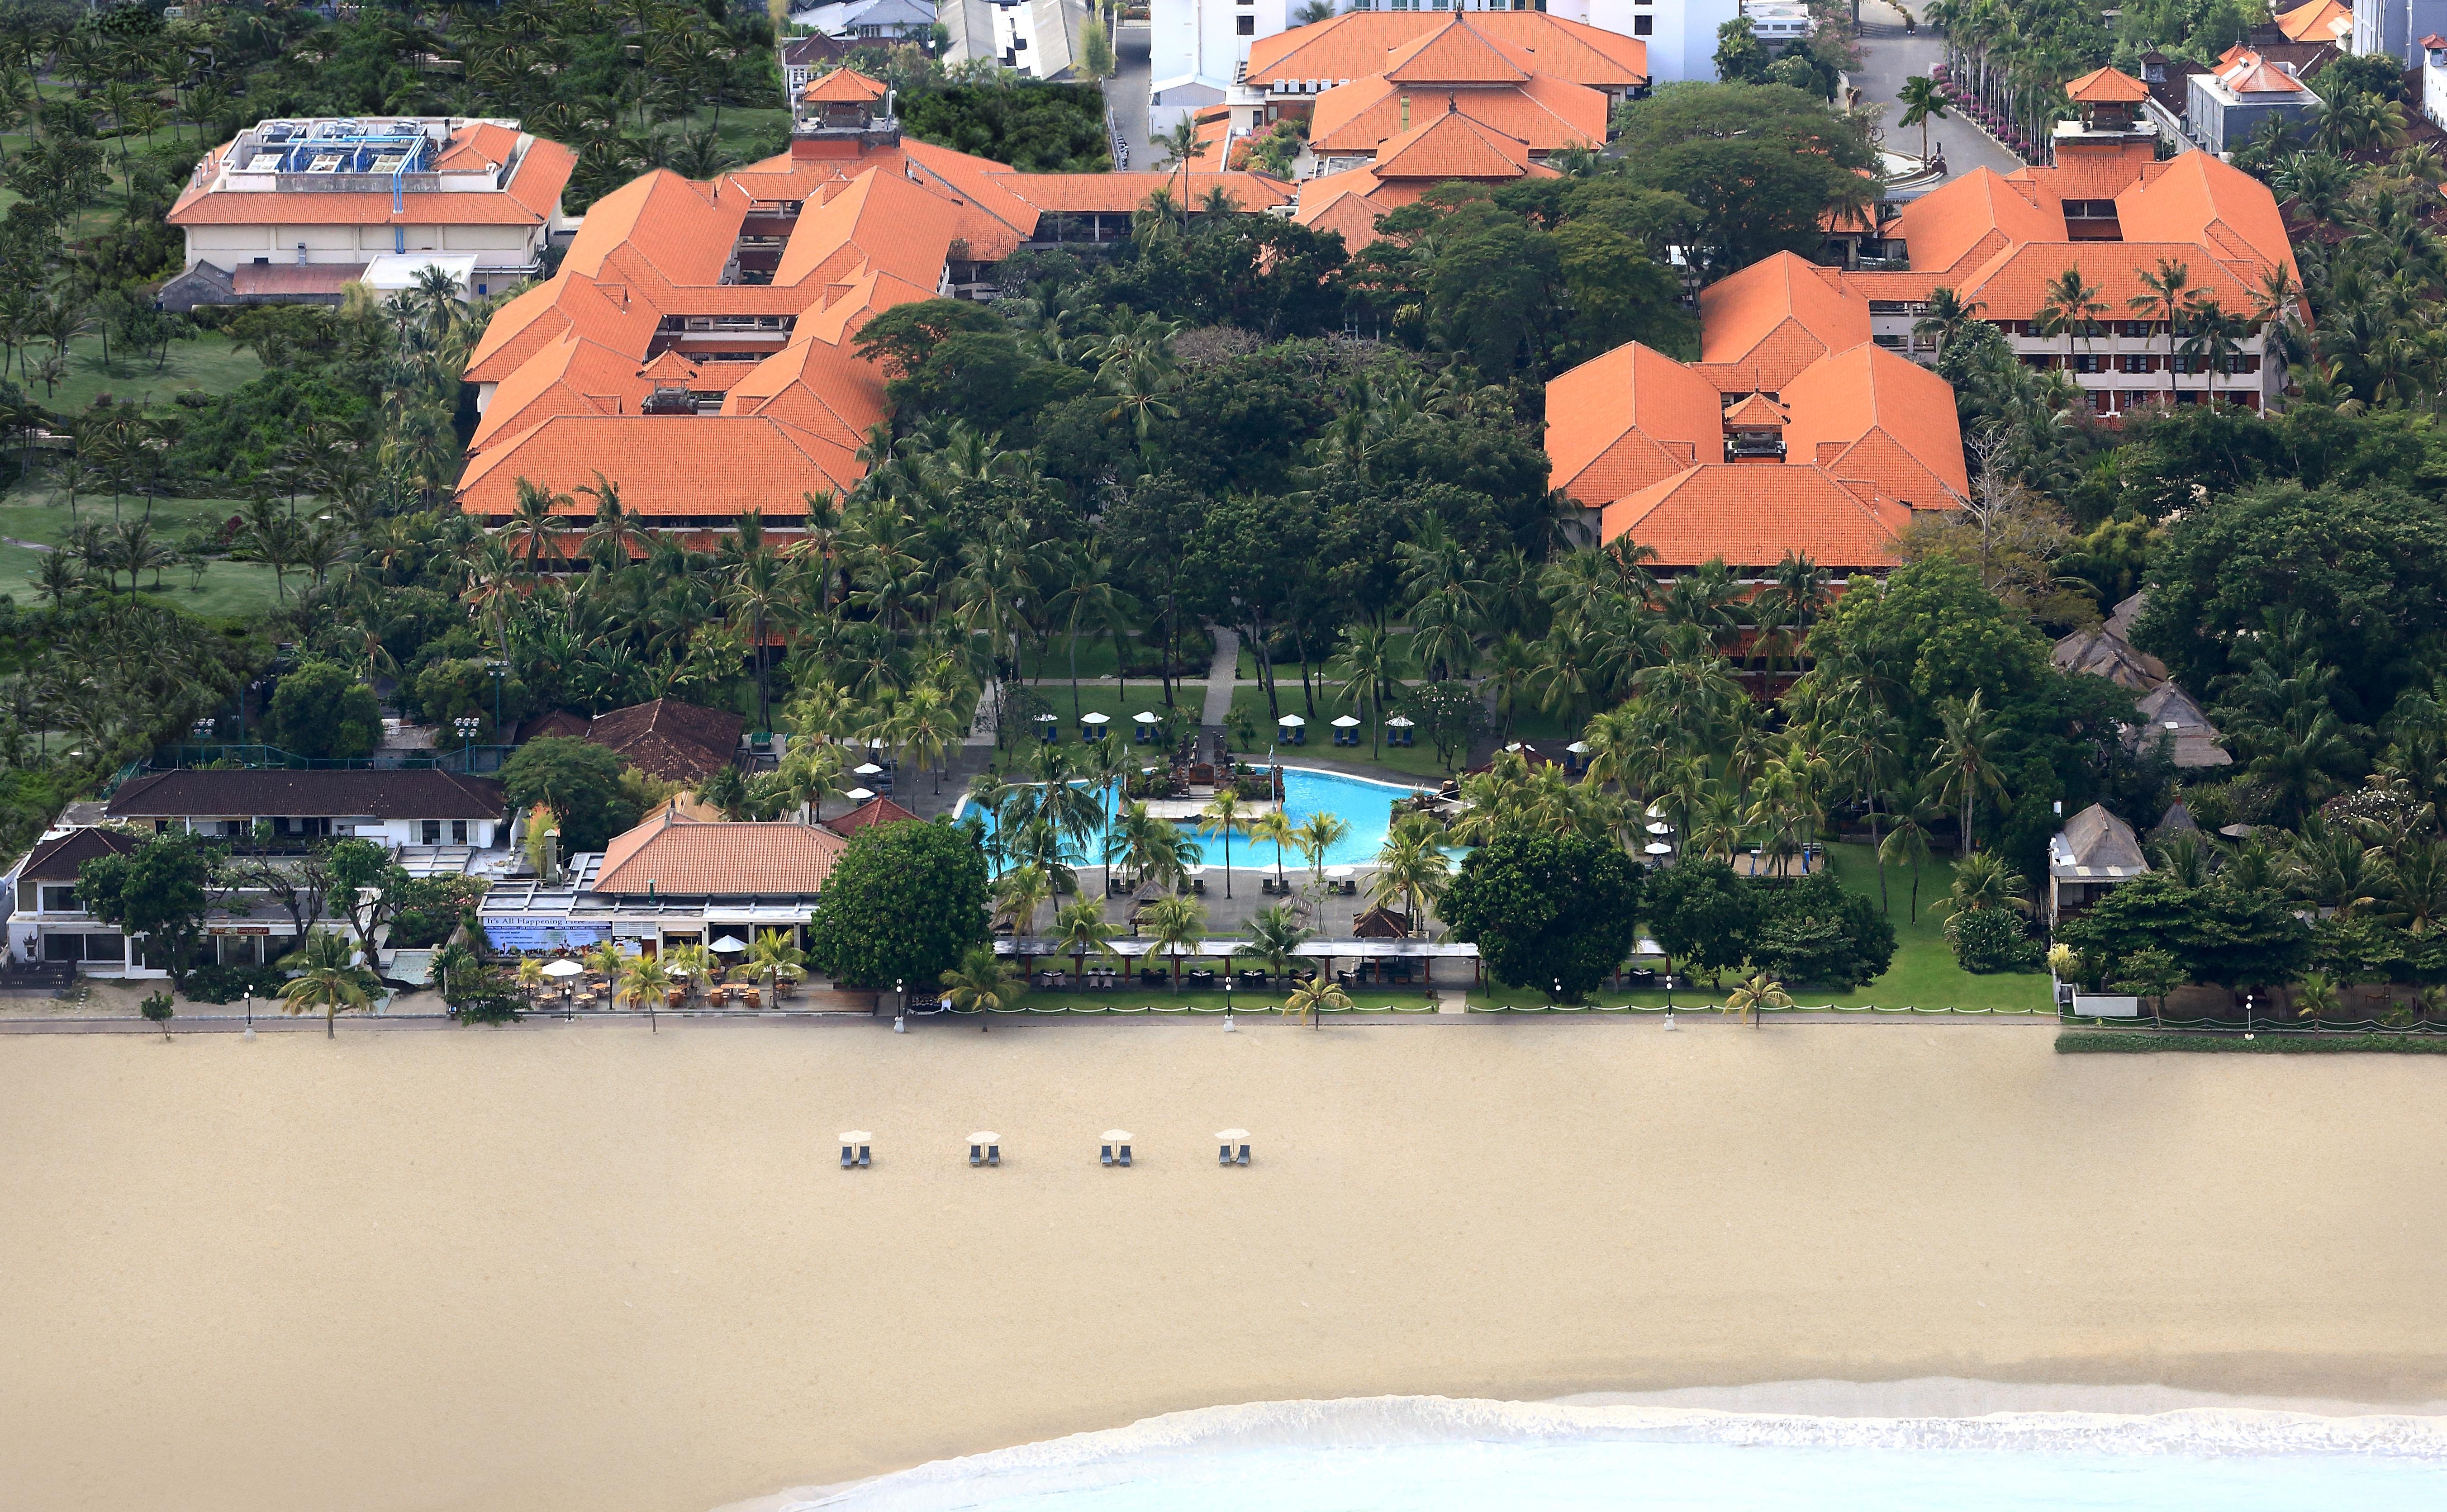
<point>591,1267</point>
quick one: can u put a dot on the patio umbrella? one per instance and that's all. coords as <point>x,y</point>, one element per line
<point>728,945</point>
<point>1118,1136</point>
<point>1400,721</point>
<point>1091,717</point>
<point>1231,1136</point>
<point>857,1135</point>
<point>563,968</point>
<point>1146,716</point>
<point>1291,719</point>
<point>1657,847</point>
<point>1660,828</point>
<point>867,769</point>
<point>1346,722</point>
<point>1046,719</point>
<point>858,795</point>
<point>1656,812</point>
<point>985,1136</point>
<point>1578,747</point>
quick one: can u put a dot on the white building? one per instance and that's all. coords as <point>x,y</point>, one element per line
<point>1038,39</point>
<point>293,211</point>
<point>1198,48</point>
<point>2434,78</point>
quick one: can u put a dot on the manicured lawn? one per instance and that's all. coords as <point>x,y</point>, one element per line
<point>1398,763</point>
<point>209,365</point>
<point>40,515</point>
<point>1106,699</point>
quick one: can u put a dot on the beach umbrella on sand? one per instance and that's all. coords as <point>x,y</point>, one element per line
<point>985,1147</point>
<point>1225,1138</point>
<point>857,1135</point>
<point>1117,1150</point>
<point>854,1143</point>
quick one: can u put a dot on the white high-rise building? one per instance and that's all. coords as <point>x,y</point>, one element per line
<point>1197,47</point>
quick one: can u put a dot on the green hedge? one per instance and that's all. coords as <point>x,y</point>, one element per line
<point>2093,1041</point>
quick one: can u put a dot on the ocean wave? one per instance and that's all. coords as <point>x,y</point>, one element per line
<point>1111,1456</point>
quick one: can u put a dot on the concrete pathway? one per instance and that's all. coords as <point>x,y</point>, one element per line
<point>1126,93</point>
<point>1887,58</point>
<point>1222,678</point>
<point>29,545</point>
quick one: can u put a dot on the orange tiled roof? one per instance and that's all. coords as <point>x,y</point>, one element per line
<point>684,857</point>
<point>485,144</point>
<point>2321,20</point>
<point>1752,516</point>
<point>880,220</point>
<point>1618,423</point>
<point>1975,215</point>
<point>843,86</point>
<point>874,811</point>
<point>667,465</point>
<point>1456,52</point>
<point>1451,146</point>
<point>1544,112</point>
<point>2107,87</point>
<point>567,301</point>
<point>1869,413</point>
<point>1759,326</point>
<point>1754,412</point>
<point>2249,73</point>
<point>815,385</point>
<point>571,376</point>
<point>659,227</point>
<point>1358,43</point>
<point>1120,192</point>
<point>1352,207</point>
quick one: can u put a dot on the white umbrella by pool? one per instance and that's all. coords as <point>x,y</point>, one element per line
<point>1656,812</point>
<point>858,795</point>
<point>1146,716</point>
<point>1293,720</point>
<point>867,769</point>
<point>1515,747</point>
<point>1660,828</point>
<point>1346,722</point>
<point>1092,717</point>
<point>1657,847</point>
<point>1337,873</point>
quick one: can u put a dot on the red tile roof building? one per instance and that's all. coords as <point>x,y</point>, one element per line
<point>1793,432</point>
<point>2109,209</point>
<point>697,346</point>
<point>324,197</point>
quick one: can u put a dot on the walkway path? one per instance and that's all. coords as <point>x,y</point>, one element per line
<point>1222,678</point>
<point>1887,58</point>
<point>1126,93</point>
<point>29,545</point>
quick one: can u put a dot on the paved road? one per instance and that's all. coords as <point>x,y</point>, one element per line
<point>1126,91</point>
<point>1887,58</point>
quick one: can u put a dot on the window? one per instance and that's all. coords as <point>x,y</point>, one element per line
<point>63,947</point>
<point>1642,25</point>
<point>432,831</point>
<point>1245,25</point>
<point>59,901</point>
<point>458,831</point>
<point>112,947</point>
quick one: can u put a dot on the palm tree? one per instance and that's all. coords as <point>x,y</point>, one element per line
<point>643,979</point>
<point>1947,315</point>
<point>1175,924</point>
<point>771,954</point>
<point>327,978</point>
<point>1082,930</point>
<point>1022,891</point>
<point>1985,882</point>
<point>690,966</point>
<point>1274,828</point>
<point>1758,994</point>
<point>533,523</point>
<point>1315,835</point>
<point>1179,148</point>
<point>2164,298</point>
<point>1965,764</point>
<point>2315,996</point>
<point>1412,869</point>
<point>761,592</point>
<point>1366,666</point>
<point>1224,816</point>
<point>1275,937</point>
<point>1314,996</point>
<point>2211,337</point>
<point>982,983</point>
<point>2070,306</point>
<point>1907,845</point>
<point>1922,103</point>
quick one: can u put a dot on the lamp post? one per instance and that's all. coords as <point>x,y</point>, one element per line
<point>250,1014</point>
<point>901,1008</point>
<point>205,728</point>
<point>501,676</point>
<point>466,724</point>
<point>1229,1028</point>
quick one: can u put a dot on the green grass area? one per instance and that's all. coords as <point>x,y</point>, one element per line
<point>1398,763</point>
<point>1210,1000</point>
<point>39,514</point>
<point>1051,664</point>
<point>1104,698</point>
<point>210,363</point>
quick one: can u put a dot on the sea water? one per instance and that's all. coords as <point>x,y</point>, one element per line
<point>1432,1454</point>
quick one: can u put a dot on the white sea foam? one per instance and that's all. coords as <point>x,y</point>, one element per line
<point>1189,1449</point>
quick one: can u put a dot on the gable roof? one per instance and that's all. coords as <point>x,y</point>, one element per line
<point>672,853</point>
<point>1620,422</point>
<point>668,739</point>
<point>1751,516</point>
<point>843,86</point>
<point>1871,415</point>
<point>1542,112</point>
<point>1456,52</point>
<point>1359,42</point>
<point>57,858</point>
<point>2321,20</point>
<point>1763,325</point>
<point>666,464</point>
<point>874,811</point>
<point>422,792</point>
<point>2107,87</point>
<point>1451,145</point>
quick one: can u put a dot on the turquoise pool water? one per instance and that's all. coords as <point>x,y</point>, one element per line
<point>1366,806</point>
<point>1431,1455</point>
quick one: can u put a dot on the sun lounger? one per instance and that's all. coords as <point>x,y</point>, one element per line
<point>1223,1154</point>
<point>1104,1155</point>
<point>849,1156</point>
<point>1124,1158</point>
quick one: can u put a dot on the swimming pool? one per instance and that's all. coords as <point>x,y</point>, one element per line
<point>1365,806</point>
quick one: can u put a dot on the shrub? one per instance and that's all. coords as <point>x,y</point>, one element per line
<point>227,984</point>
<point>1992,940</point>
<point>1812,933</point>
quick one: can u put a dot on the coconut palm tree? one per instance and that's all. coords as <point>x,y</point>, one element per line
<point>1275,937</point>
<point>1412,869</point>
<point>533,524</point>
<point>1907,845</point>
<point>2165,287</point>
<point>1947,315</point>
<point>1318,834</point>
<point>643,979</point>
<point>1365,664</point>
<point>1758,994</point>
<point>1224,814</point>
<point>328,980</point>
<point>771,954</point>
<point>1274,828</point>
<point>1174,925</point>
<point>1314,996</point>
<point>982,983</point>
<point>1022,891</point>
<point>1984,882</point>
<point>1922,102</point>
<point>1082,930</point>
<point>2070,306</point>
<point>1964,764</point>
